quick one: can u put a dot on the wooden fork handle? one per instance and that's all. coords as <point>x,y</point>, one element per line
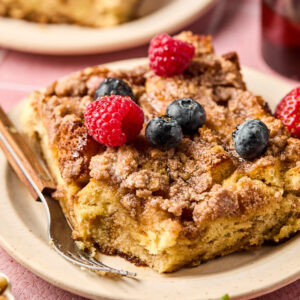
<point>18,152</point>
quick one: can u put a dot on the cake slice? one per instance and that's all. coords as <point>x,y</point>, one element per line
<point>94,13</point>
<point>175,208</point>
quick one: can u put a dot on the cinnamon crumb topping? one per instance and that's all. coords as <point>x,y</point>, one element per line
<point>203,178</point>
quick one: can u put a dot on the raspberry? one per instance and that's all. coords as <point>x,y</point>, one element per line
<point>114,120</point>
<point>169,57</point>
<point>288,110</point>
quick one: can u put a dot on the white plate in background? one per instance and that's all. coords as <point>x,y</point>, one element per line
<point>168,16</point>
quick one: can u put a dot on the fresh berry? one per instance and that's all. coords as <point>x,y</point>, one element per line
<point>169,57</point>
<point>113,86</point>
<point>164,132</point>
<point>114,120</point>
<point>288,110</point>
<point>251,138</point>
<point>189,114</point>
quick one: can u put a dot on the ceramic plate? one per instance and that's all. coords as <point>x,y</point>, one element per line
<point>165,16</point>
<point>241,275</point>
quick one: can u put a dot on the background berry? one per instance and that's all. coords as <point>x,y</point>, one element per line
<point>288,110</point>
<point>114,120</point>
<point>169,57</point>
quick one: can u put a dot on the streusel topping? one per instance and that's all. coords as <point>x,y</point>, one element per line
<point>190,181</point>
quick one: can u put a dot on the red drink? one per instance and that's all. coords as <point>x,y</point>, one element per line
<point>281,36</point>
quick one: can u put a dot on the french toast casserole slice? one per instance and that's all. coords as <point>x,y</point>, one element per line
<point>93,13</point>
<point>175,208</point>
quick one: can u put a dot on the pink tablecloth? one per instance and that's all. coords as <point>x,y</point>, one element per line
<point>20,73</point>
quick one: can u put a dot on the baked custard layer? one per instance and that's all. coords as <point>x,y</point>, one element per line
<point>94,13</point>
<point>175,208</point>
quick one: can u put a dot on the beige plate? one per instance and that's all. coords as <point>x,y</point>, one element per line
<point>242,275</point>
<point>166,16</point>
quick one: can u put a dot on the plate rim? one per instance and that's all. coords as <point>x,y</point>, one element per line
<point>17,254</point>
<point>98,40</point>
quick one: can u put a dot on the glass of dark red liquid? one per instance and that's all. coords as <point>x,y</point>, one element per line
<point>281,36</point>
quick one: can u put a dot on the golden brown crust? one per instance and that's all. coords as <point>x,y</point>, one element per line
<point>202,43</point>
<point>75,149</point>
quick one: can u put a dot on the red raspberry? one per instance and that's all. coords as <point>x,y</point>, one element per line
<point>288,110</point>
<point>169,57</point>
<point>114,120</point>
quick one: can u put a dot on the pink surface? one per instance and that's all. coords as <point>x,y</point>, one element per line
<point>20,73</point>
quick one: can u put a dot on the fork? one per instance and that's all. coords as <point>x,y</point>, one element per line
<point>40,185</point>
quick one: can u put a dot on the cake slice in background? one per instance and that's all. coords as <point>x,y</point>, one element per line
<point>94,13</point>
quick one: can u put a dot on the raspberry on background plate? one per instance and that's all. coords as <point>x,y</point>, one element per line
<point>114,120</point>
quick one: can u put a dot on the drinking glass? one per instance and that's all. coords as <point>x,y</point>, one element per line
<point>281,36</point>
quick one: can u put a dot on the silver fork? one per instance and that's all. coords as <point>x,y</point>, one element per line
<point>31,172</point>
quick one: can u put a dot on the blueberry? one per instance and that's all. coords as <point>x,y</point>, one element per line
<point>189,114</point>
<point>251,138</point>
<point>113,86</point>
<point>164,132</point>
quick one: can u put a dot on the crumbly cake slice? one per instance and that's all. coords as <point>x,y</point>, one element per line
<point>169,209</point>
<point>95,13</point>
